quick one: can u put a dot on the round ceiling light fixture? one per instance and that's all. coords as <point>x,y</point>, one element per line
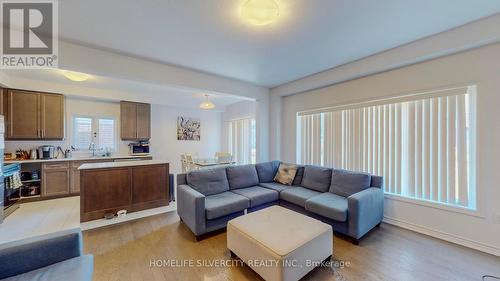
<point>260,12</point>
<point>75,76</point>
<point>207,104</point>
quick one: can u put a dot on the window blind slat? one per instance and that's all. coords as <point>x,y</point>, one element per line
<point>421,147</point>
<point>462,184</point>
<point>442,144</point>
<point>451,148</point>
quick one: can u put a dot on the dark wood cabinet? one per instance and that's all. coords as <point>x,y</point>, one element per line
<point>55,179</point>
<point>52,116</point>
<point>132,188</point>
<point>135,120</point>
<point>32,115</point>
<point>74,185</point>
<point>23,115</point>
<point>143,121</point>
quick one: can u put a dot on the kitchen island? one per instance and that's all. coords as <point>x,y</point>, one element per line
<point>106,188</point>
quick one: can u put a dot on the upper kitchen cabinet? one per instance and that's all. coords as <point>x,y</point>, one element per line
<point>135,120</point>
<point>52,116</point>
<point>32,115</point>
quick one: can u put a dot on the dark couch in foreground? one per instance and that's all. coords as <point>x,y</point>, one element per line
<point>55,256</point>
<point>351,202</point>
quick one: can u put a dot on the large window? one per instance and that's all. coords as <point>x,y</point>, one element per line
<point>100,131</point>
<point>423,145</point>
<point>242,140</point>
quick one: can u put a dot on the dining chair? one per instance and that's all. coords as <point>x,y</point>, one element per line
<point>190,163</point>
<point>184,163</point>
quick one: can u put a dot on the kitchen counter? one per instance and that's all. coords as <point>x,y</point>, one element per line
<point>107,188</point>
<point>76,159</point>
<point>108,165</point>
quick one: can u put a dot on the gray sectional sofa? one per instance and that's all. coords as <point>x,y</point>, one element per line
<point>351,202</point>
<point>55,256</point>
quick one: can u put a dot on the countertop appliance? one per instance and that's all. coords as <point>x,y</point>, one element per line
<point>139,148</point>
<point>46,152</point>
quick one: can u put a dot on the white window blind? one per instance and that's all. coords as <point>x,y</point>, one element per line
<point>106,133</point>
<point>423,145</point>
<point>82,132</point>
<point>101,131</point>
<point>242,140</point>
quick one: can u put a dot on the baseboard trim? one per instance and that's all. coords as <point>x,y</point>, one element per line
<point>444,236</point>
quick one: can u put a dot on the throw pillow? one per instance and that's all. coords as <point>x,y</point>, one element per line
<point>286,174</point>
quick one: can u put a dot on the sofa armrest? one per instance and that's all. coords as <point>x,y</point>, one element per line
<point>191,208</point>
<point>365,211</point>
<point>25,255</point>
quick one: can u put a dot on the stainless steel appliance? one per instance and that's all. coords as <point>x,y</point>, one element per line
<point>139,148</point>
<point>2,186</point>
<point>46,152</point>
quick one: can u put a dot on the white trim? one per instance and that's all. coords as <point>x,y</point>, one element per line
<point>403,97</point>
<point>435,205</point>
<point>490,249</point>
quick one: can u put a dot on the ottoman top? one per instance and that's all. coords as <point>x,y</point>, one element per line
<point>279,229</point>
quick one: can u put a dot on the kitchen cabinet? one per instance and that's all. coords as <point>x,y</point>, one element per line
<point>52,116</point>
<point>3,98</point>
<point>135,120</point>
<point>33,115</point>
<point>133,187</point>
<point>55,179</point>
<point>74,186</point>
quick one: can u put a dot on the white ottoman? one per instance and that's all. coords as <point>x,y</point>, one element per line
<point>279,244</point>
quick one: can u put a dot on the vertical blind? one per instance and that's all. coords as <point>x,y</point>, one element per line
<point>242,140</point>
<point>101,131</point>
<point>422,145</point>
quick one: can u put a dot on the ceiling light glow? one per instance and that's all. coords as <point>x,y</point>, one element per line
<point>260,12</point>
<point>75,76</point>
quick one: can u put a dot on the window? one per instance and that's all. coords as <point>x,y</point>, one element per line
<point>423,145</point>
<point>101,131</point>
<point>242,140</point>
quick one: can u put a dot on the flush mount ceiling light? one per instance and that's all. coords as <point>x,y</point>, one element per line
<point>260,12</point>
<point>207,104</point>
<point>75,76</point>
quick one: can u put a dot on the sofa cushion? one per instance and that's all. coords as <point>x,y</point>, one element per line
<point>276,186</point>
<point>346,183</point>
<point>75,269</point>
<point>257,195</point>
<point>298,195</point>
<point>317,178</point>
<point>208,181</point>
<point>226,203</point>
<point>286,173</point>
<point>242,176</point>
<point>298,176</point>
<point>266,171</point>
<point>328,205</point>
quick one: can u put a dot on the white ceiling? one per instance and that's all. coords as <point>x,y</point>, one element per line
<point>111,89</point>
<point>310,35</point>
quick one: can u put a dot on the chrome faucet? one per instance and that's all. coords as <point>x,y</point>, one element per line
<point>92,147</point>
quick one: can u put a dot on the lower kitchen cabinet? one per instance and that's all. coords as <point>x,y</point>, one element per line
<point>74,187</point>
<point>55,178</point>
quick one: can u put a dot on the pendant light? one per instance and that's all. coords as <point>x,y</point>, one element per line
<point>207,104</point>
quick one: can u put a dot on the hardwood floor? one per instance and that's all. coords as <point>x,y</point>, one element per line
<point>124,252</point>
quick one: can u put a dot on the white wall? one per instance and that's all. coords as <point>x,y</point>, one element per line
<point>235,111</point>
<point>78,106</point>
<point>478,66</point>
<point>164,143</point>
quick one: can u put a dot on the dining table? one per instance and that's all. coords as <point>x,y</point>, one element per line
<point>211,162</point>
